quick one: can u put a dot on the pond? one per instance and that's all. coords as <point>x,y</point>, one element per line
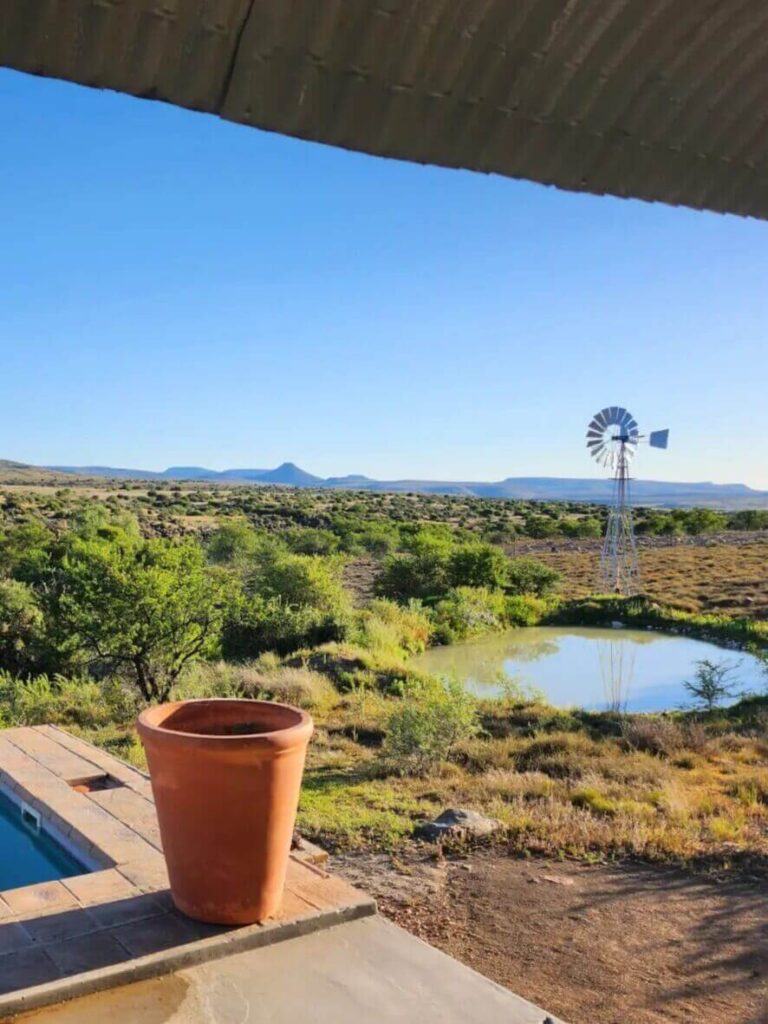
<point>630,669</point>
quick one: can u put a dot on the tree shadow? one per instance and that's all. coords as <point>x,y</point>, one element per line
<point>717,951</point>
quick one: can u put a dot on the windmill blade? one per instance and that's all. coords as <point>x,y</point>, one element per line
<point>624,417</point>
<point>659,438</point>
<point>600,420</point>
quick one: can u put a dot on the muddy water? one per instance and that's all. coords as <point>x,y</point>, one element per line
<point>631,669</point>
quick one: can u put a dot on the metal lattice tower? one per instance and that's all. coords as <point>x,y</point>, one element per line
<point>612,438</point>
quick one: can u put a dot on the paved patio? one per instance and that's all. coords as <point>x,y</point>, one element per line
<point>118,922</point>
<point>362,972</point>
<point>109,945</point>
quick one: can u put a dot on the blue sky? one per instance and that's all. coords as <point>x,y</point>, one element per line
<point>178,290</point>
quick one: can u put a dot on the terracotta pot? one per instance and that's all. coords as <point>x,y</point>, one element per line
<point>226,776</point>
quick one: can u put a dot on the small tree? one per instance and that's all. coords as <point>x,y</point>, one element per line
<point>435,715</point>
<point>414,576</point>
<point>477,565</point>
<point>712,684</point>
<point>530,576</point>
<point>149,605</point>
<point>233,543</point>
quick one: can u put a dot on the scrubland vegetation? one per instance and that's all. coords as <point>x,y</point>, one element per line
<point>111,601</point>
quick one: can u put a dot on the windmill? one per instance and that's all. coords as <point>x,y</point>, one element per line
<point>612,438</point>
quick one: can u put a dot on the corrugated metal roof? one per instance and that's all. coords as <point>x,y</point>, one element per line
<point>657,99</point>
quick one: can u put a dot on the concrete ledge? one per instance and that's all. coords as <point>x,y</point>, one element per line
<point>81,934</point>
<point>189,955</point>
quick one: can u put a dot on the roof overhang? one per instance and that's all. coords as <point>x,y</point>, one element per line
<point>655,99</point>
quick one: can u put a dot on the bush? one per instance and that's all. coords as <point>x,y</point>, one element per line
<point>262,679</point>
<point>298,686</point>
<point>580,528</point>
<point>298,581</point>
<point>434,716</point>
<point>593,800</point>
<point>525,610</point>
<point>530,576</point>
<point>353,668</point>
<point>258,624</point>
<point>560,755</point>
<point>541,527</point>
<point>653,735</point>
<point>289,601</point>
<point>21,627</point>
<point>468,611</point>
<point>387,626</point>
<point>148,607</point>
<point>305,540</point>
<point>414,576</point>
<point>477,565</point>
<point>233,543</point>
<point>59,700</point>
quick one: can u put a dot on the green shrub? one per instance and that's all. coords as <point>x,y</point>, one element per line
<point>298,581</point>
<point>59,700</point>
<point>257,624</point>
<point>22,627</point>
<point>468,611</point>
<point>414,576</point>
<point>147,607</point>
<point>525,610</point>
<point>306,540</point>
<point>434,715</point>
<point>586,526</point>
<point>387,626</point>
<point>477,565</point>
<point>233,543</point>
<point>352,668</point>
<point>593,800</point>
<point>541,527</point>
<point>530,576</point>
<point>289,601</point>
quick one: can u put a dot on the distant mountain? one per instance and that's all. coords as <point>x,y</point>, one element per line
<point>289,473</point>
<point>645,492</point>
<point>22,473</point>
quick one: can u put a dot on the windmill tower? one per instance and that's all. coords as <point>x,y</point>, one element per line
<point>612,438</point>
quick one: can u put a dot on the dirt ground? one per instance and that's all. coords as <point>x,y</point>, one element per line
<point>593,944</point>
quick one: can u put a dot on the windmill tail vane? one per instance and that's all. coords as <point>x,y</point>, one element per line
<point>612,439</point>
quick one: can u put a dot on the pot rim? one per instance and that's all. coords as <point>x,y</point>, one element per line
<point>303,724</point>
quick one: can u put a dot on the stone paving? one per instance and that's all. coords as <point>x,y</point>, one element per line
<point>120,915</point>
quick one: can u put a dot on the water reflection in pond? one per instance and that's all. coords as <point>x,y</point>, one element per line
<point>628,669</point>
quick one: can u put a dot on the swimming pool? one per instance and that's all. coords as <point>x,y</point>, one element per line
<point>29,855</point>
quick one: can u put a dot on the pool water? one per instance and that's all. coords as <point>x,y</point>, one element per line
<point>28,857</point>
<point>624,669</point>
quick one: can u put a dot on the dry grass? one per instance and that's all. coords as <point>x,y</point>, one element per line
<point>264,678</point>
<point>730,579</point>
<point>661,790</point>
